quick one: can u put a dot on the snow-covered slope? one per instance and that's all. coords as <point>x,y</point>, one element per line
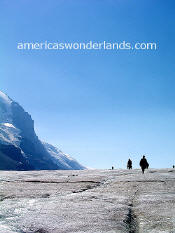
<point>9,134</point>
<point>5,108</point>
<point>59,157</point>
<point>20,148</point>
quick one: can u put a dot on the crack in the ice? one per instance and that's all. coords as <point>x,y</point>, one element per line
<point>131,220</point>
<point>88,187</point>
<point>54,182</point>
<point>41,230</point>
<point>142,181</point>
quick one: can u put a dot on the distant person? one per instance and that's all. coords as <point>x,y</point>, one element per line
<point>173,166</point>
<point>129,164</point>
<point>144,164</point>
<point>112,167</point>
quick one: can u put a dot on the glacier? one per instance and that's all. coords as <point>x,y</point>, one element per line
<point>87,201</point>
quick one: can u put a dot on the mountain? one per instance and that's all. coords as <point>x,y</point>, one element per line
<point>20,147</point>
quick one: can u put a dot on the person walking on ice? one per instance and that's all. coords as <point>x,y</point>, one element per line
<point>144,164</point>
<point>129,164</point>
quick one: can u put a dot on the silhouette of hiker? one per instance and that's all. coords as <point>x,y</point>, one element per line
<point>144,164</point>
<point>112,167</point>
<point>129,164</point>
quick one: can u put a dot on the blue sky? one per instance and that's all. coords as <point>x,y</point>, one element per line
<point>102,107</point>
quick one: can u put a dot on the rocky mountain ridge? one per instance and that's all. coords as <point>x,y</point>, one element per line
<point>20,147</point>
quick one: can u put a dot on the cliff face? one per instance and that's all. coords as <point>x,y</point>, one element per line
<point>20,147</point>
<point>23,121</point>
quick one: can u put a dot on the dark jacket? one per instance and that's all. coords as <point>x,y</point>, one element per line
<point>129,164</point>
<point>143,163</point>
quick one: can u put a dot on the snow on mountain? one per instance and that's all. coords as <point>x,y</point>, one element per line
<point>20,148</point>
<point>9,134</point>
<point>5,99</point>
<point>59,157</point>
<point>5,108</point>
